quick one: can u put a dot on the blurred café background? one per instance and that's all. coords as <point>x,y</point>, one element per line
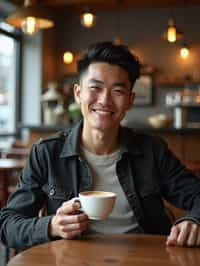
<point>40,42</point>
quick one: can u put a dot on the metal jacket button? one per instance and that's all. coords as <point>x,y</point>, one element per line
<point>52,192</point>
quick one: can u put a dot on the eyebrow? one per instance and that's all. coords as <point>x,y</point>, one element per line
<point>96,81</point>
<point>119,84</point>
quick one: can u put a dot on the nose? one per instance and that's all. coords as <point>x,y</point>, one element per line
<point>105,96</point>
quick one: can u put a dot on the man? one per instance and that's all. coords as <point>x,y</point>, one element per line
<point>99,154</point>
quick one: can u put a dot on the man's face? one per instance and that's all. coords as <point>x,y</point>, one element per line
<point>104,95</point>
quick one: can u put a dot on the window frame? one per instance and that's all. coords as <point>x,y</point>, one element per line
<point>18,81</point>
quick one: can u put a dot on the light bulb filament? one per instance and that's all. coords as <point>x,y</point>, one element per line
<point>29,25</point>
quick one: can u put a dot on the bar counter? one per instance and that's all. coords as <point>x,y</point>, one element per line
<point>184,141</point>
<point>145,129</point>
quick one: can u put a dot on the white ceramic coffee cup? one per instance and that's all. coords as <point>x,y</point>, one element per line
<point>97,204</point>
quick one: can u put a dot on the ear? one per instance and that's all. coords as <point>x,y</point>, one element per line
<point>77,91</point>
<point>131,100</point>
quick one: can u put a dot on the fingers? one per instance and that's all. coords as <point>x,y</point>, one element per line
<point>67,223</point>
<point>172,238</point>
<point>185,233</point>
<point>71,219</point>
<point>68,207</point>
<point>70,229</point>
<point>66,226</point>
<point>192,235</point>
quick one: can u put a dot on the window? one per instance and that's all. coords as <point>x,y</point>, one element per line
<point>9,82</point>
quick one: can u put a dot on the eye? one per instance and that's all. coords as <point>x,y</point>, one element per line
<point>94,88</point>
<point>119,91</point>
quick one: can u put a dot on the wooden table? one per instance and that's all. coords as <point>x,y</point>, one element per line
<point>6,168</point>
<point>105,250</point>
<point>15,153</point>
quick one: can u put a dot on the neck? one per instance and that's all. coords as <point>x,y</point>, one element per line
<point>99,142</point>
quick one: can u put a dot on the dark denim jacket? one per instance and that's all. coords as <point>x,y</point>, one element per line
<point>55,172</point>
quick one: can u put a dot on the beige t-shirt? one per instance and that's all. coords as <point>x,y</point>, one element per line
<point>122,218</point>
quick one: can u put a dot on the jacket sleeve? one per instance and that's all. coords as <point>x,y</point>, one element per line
<point>179,185</point>
<point>20,225</point>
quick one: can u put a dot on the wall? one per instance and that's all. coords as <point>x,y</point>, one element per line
<point>141,29</point>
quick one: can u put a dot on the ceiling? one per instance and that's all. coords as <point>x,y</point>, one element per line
<point>111,4</point>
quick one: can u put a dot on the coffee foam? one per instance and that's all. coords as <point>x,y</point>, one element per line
<point>98,193</point>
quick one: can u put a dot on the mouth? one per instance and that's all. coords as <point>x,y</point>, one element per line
<point>103,111</point>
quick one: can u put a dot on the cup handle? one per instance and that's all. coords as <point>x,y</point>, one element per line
<point>80,210</point>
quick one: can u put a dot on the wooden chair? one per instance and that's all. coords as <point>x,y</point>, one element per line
<point>194,166</point>
<point>173,212</point>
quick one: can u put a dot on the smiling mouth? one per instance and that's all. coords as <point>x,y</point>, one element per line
<point>103,112</point>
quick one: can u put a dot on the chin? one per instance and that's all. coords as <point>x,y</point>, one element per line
<point>104,125</point>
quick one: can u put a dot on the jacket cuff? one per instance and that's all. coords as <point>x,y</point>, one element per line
<point>187,218</point>
<point>41,235</point>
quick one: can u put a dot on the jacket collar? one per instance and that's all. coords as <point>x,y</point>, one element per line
<point>128,140</point>
<point>71,146</point>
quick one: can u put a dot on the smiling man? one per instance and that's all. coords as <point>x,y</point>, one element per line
<point>104,95</point>
<point>99,154</point>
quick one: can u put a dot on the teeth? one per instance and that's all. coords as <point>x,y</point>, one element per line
<point>103,112</point>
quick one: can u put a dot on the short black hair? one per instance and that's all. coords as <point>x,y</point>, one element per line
<point>111,53</point>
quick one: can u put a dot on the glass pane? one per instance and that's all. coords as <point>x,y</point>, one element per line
<point>8,48</point>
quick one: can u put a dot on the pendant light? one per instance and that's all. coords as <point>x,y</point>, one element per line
<point>88,18</point>
<point>172,34</point>
<point>68,57</point>
<point>30,18</point>
<point>171,31</point>
<point>184,51</point>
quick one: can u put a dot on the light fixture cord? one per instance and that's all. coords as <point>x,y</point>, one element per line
<point>28,3</point>
<point>118,19</point>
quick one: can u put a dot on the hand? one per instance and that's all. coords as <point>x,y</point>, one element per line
<point>68,223</point>
<point>186,233</point>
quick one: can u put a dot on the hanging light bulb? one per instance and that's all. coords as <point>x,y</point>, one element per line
<point>184,51</point>
<point>172,34</point>
<point>29,25</point>
<point>171,31</point>
<point>88,18</point>
<point>68,57</point>
<point>31,18</point>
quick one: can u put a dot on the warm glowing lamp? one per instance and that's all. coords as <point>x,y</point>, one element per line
<point>172,34</point>
<point>171,31</point>
<point>88,18</point>
<point>68,57</point>
<point>184,51</point>
<point>29,25</point>
<point>30,18</point>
